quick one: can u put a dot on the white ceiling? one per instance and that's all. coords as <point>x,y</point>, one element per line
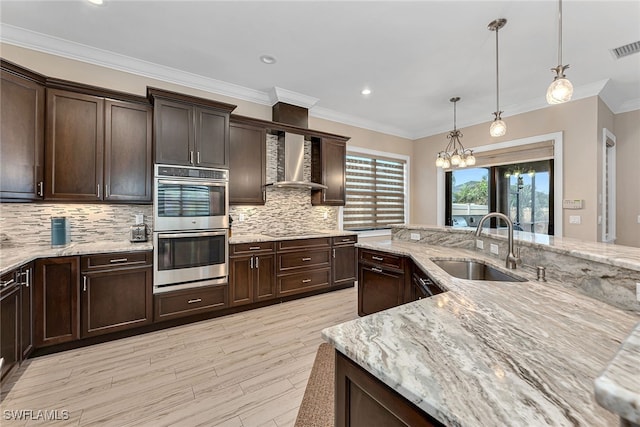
<point>413,55</point>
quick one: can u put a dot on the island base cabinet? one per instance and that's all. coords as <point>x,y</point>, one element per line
<point>363,401</point>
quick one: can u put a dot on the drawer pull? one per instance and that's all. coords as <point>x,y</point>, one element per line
<point>118,260</point>
<point>306,259</point>
<point>346,240</point>
<point>254,248</point>
<point>193,301</point>
<point>84,283</point>
<point>334,253</point>
<point>7,283</point>
<point>377,258</point>
<point>306,280</point>
<point>377,270</point>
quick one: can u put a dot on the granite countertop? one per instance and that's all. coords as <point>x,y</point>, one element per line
<point>491,353</point>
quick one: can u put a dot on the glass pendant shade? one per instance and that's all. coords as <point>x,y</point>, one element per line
<point>498,128</point>
<point>454,154</point>
<point>455,159</point>
<point>560,90</point>
<point>446,164</point>
<point>471,160</point>
<point>439,161</point>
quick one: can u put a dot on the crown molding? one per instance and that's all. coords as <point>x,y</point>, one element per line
<point>347,119</point>
<point>631,105</point>
<point>278,94</point>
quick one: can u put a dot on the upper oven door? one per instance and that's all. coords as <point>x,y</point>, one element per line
<point>190,204</point>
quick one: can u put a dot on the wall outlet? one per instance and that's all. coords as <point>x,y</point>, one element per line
<point>241,217</point>
<point>575,219</point>
<point>325,215</point>
<point>415,236</point>
<point>479,244</point>
<point>494,249</point>
<point>638,219</point>
<point>638,291</point>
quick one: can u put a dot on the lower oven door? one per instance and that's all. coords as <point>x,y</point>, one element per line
<point>189,259</point>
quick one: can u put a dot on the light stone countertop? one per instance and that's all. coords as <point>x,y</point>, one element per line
<point>491,353</point>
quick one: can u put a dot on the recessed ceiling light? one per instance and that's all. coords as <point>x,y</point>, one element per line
<point>366,91</point>
<point>268,59</point>
<point>96,2</point>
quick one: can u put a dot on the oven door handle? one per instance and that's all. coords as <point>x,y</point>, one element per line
<point>203,234</point>
<point>194,181</point>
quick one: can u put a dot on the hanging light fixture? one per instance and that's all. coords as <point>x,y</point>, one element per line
<point>498,126</point>
<point>455,154</point>
<point>561,89</point>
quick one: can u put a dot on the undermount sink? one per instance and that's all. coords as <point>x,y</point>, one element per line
<point>474,270</point>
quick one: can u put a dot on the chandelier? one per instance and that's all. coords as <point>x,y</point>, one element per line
<point>455,154</point>
<point>498,126</point>
<point>561,89</point>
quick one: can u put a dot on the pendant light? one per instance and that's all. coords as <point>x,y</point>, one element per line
<point>498,126</point>
<point>561,89</point>
<point>455,154</point>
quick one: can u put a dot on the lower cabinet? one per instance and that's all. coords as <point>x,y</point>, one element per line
<point>10,323</point>
<point>186,302</point>
<point>252,273</point>
<point>363,400</point>
<point>303,265</point>
<point>25,280</point>
<point>344,261</point>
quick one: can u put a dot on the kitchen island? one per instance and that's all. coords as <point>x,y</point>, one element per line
<point>490,353</point>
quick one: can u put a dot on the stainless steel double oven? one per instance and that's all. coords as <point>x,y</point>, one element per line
<point>191,222</point>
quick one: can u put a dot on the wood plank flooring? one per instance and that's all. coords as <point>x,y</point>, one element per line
<point>244,370</point>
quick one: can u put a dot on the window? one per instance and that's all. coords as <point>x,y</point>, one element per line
<point>375,192</point>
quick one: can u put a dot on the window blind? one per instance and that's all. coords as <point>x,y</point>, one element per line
<point>522,153</point>
<point>375,192</point>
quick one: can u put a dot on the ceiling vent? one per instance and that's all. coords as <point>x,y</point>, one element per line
<point>626,50</point>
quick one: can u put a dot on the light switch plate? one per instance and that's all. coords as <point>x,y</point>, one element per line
<point>575,219</point>
<point>241,217</point>
<point>572,204</point>
<point>638,291</point>
<point>638,219</point>
<point>415,236</point>
<point>479,244</point>
<point>494,249</point>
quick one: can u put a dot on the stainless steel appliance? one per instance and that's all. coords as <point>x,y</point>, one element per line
<point>191,220</point>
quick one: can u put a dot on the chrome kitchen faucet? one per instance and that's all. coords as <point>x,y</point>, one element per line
<point>512,260</point>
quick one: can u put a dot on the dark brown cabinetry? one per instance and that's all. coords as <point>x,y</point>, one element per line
<point>181,303</point>
<point>97,148</point>
<point>56,301</point>
<point>22,108</point>
<point>328,167</point>
<point>344,263</point>
<point>190,131</point>
<point>381,281</point>
<point>363,400</point>
<point>252,273</point>
<point>25,280</point>
<point>303,265</point>
<point>422,286</point>
<point>247,164</point>
<point>116,292</point>
<point>10,326</point>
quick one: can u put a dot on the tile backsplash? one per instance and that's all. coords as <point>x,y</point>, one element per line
<point>30,223</point>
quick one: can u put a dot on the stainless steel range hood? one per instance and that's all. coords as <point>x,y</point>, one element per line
<point>291,163</point>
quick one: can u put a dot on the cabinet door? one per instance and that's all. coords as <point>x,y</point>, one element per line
<point>212,138</point>
<point>74,146</point>
<point>378,289</point>
<point>241,280</point>
<point>57,302</point>
<point>9,328</point>
<point>332,172</point>
<point>173,128</point>
<point>264,286</point>
<point>247,165</point>
<point>22,137</point>
<point>114,300</point>
<point>128,160</point>
<point>26,311</point>
<point>344,264</point>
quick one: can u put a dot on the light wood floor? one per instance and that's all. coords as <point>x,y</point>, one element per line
<point>248,369</point>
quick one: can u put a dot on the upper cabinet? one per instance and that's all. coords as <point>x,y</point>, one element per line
<point>190,131</point>
<point>247,164</point>
<point>97,148</point>
<point>22,118</point>
<point>328,167</point>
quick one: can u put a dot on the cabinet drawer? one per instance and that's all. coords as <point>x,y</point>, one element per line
<point>246,248</point>
<point>302,282</point>
<point>190,301</point>
<point>344,240</point>
<point>381,258</point>
<point>287,245</point>
<point>303,260</point>
<point>112,260</point>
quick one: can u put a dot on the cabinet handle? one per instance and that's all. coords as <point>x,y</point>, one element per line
<point>98,190</point>
<point>251,262</point>
<point>41,189</point>
<point>254,248</point>
<point>193,301</point>
<point>7,283</point>
<point>264,195</point>
<point>198,157</point>
<point>306,259</point>
<point>27,274</point>
<point>84,285</point>
<point>346,240</point>
<point>257,262</point>
<point>118,260</point>
<point>306,280</point>
<point>334,253</point>
<point>377,258</point>
<point>191,157</point>
<point>106,191</point>
<point>377,270</point>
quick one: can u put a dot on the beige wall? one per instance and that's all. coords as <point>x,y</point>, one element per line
<point>626,128</point>
<point>605,120</point>
<point>578,122</point>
